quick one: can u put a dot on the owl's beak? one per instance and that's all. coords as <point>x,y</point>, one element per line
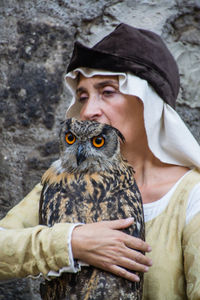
<point>80,155</point>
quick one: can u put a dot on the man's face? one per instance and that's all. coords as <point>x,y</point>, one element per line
<point>102,101</point>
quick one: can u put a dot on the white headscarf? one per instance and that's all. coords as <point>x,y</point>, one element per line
<point>168,137</point>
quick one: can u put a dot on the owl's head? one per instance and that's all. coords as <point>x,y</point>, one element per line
<point>88,146</point>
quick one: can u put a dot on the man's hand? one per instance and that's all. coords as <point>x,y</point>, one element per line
<point>104,246</point>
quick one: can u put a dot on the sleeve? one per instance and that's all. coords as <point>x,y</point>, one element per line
<point>31,249</point>
<point>191,249</point>
<point>35,250</point>
<point>25,213</point>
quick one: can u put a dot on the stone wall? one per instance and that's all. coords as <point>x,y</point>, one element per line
<point>36,40</point>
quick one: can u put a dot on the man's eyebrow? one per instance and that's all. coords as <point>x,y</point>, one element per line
<point>105,83</point>
<point>80,90</point>
<point>98,85</point>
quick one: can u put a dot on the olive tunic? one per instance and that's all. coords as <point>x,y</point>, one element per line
<point>30,249</point>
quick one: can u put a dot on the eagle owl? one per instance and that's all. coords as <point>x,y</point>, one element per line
<point>90,182</point>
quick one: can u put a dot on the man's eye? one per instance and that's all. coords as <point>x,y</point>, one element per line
<point>108,92</point>
<point>82,98</point>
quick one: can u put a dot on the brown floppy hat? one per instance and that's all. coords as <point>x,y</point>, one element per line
<point>139,51</point>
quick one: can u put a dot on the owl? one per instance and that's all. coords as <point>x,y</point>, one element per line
<point>91,182</point>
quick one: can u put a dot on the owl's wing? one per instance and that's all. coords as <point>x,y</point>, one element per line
<point>41,218</point>
<point>50,180</point>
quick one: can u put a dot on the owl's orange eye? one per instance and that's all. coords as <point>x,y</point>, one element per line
<point>70,138</point>
<point>98,141</point>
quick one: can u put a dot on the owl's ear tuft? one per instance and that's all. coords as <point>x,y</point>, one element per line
<point>120,135</point>
<point>61,126</point>
<point>67,124</point>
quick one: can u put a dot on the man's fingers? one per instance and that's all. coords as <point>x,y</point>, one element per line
<point>133,265</point>
<point>138,258</point>
<point>123,273</point>
<point>119,224</point>
<point>138,244</point>
<point>132,260</point>
<point>131,242</point>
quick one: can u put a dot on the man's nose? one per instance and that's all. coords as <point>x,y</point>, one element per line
<point>91,110</point>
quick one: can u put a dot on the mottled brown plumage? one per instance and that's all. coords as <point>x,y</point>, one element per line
<point>91,182</point>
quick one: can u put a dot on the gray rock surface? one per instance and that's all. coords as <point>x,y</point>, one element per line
<point>36,40</point>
